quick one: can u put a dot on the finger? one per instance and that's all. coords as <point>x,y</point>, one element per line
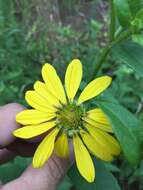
<point>6,155</point>
<point>46,178</point>
<point>8,123</point>
<point>22,148</point>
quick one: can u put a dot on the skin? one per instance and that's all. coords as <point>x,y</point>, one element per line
<point>45,178</point>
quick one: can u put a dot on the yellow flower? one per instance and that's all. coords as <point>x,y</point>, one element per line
<point>66,119</point>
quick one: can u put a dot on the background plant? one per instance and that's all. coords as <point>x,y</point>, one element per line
<point>109,43</point>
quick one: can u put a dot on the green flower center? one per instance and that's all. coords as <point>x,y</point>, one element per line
<point>69,117</point>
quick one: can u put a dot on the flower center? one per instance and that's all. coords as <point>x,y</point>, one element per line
<point>69,117</point>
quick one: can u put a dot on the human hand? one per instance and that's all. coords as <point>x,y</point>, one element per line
<point>45,178</point>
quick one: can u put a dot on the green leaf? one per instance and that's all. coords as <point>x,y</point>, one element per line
<point>125,126</point>
<point>104,179</point>
<point>135,6</point>
<point>65,184</point>
<point>137,23</point>
<point>131,54</point>
<point>127,10</point>
<point>13,169</point>
<point>9,172</point>
<point>138,38</point>
<point>123,12</point>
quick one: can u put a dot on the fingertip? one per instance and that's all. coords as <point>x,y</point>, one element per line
<point>8,122</point>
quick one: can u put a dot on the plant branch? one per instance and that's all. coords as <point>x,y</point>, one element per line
<point>105,52</point>
<point>112,27</point>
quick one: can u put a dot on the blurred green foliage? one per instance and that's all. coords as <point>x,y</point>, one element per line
<point>23,50</point>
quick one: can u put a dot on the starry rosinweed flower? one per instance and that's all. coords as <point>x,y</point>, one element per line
<point>66,118</point>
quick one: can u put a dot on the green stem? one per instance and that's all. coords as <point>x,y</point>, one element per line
<point>101,59</point>
<point>112,27</point>
<point>105,52</point>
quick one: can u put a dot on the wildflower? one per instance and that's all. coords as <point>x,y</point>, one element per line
<point>66,118</point>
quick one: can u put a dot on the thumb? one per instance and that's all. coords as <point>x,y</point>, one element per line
<point>45,178</point>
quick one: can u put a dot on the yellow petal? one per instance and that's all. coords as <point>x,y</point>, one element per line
<point>98,119</point>
<point>98,115</point>
<point>61,146</point>
<point>45,149</point>
<point>53,82</point>
<point>73,78</point>
<point>38,102</point>
<point>96,147</point>
<point>94,88</point>
<point>111,142</point>
<point>83,160</point>
<point>43,91</point>
<point>106,140</point>
<point>99,125</point>
<point>32,117</point>
<point>33,130</point>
